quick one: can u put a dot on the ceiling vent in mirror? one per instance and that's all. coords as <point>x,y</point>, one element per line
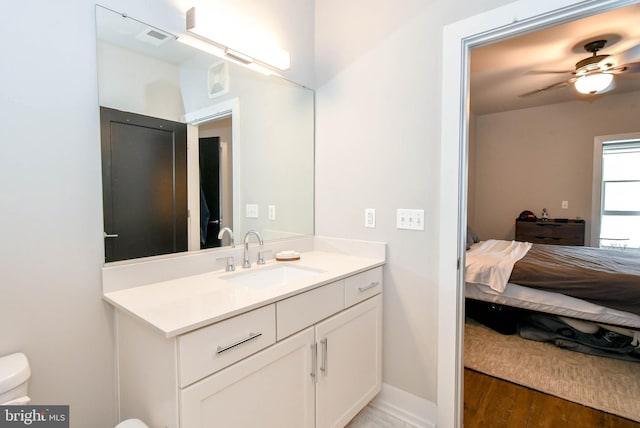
<point>154,36</point>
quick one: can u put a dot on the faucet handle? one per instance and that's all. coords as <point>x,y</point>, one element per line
<point>230,263</point>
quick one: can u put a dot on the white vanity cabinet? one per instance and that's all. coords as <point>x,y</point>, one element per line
<point>349,362</point>
<point>272,388</point>
<point>311,360</point>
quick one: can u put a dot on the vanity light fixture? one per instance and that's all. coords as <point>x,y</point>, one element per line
<point>242,58</point>
<point>237,42</point>
<point>225,53</point>
<point>594,83</point>
<point>201,45</point>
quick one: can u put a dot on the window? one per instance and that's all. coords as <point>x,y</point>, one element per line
<point>620,195</point>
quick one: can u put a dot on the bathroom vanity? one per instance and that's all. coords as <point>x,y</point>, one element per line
<point>286,344</point>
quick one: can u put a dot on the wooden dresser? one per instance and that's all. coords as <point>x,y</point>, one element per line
<point>552,231</point>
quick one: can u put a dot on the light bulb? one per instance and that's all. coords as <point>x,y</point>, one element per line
<point>595,83</point>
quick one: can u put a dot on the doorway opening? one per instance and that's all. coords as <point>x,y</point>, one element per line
<point>218,125</point>
<point>215,145</point>
<point>501,23</point>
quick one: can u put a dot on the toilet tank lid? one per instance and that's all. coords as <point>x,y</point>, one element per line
<point>14,370</point>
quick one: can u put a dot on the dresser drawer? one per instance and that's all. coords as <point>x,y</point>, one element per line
<point>212,348</point>
<point>298,312</point>
<point>362,286</point>
<point>551,232</point>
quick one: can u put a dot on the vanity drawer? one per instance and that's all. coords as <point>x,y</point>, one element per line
<point>362,286</point>
<point>212,348</point>
<point>298,312</point>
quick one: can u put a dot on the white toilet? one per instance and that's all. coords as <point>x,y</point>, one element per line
<point>14,384</point>
<point>14,379</point>
<point>132,423</point>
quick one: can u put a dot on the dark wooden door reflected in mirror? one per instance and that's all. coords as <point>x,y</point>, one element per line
<point>144,180</point>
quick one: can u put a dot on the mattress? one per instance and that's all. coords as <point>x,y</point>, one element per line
<point>554,303</point>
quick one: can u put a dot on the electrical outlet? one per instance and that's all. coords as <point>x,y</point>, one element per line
<point>272,212</point>
<point>251,210</point>
<point>410,219</point>
<point>370,217</point>
<point>565,204</point>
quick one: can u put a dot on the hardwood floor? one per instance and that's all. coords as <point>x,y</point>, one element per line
<point>495,403</point>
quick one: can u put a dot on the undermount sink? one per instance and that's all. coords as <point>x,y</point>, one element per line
<point>266,277</point>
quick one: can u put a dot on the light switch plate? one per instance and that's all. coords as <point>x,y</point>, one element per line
<point>272,212</point>
<point>370,217</point>
<point>251,210</point>
<point>410,219</point>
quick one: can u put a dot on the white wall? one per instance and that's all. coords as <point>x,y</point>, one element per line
<point>378,137</point>
<point>51,247</point>
<point>539,157</point>
<point>138,83</point>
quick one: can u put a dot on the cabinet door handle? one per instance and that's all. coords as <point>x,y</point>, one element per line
<point>252,336</point>
<point>368,287</point>
<point>324,368</point>
<point>314,361</point>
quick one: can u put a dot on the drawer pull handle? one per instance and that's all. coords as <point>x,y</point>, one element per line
<point>324,368</point>
<point>368,287</point>
<point>314,361</point>
<point>252,336</point>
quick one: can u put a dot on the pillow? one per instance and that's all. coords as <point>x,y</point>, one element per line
<point>472,237</point>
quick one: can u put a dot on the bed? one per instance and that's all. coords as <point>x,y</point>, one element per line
<point>585,283</point>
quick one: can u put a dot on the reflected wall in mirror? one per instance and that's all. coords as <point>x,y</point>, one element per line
<point>260,126</point>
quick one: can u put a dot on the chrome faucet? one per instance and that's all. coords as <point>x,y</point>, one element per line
<point>229,232</point>
<point>230,262</point>
<point>246,263</point>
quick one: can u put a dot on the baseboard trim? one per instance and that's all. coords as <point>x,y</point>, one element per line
<point>405,406</point>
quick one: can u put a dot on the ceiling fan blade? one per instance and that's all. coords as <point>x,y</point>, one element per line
<point>550,72</point>
<point>545,89</point>
<point>629,56</point>
<point>632,67</point>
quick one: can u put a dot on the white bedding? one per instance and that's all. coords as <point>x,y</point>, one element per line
<point>491,262</point>
<point>488,267</point>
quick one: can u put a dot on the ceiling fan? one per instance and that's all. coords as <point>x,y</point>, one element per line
<point>594,75</point>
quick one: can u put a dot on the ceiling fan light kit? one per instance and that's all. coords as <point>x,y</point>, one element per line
<point>591,73</point>
<point>593,84</point>
<point>594,75</point>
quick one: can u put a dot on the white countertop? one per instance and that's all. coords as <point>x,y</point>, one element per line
<point>184,304</point>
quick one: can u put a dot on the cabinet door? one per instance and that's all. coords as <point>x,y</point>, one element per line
<point>272,388</point>
<point>349,362</point>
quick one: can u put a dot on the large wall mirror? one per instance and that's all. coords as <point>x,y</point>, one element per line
<point>249,140</point>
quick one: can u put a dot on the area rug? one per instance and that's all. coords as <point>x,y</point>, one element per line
<point>605,384</point>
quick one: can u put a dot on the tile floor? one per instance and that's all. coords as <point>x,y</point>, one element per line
<point>370,417</point>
